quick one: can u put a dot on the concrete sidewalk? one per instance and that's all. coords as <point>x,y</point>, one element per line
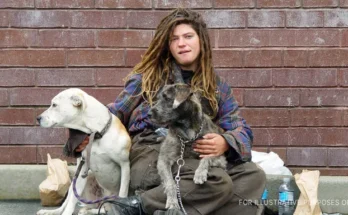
<point>21,183</point>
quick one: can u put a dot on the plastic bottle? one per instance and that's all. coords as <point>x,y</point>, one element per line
<point>264,197</point>
<point>286,198</point>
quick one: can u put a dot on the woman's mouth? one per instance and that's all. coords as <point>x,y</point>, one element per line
<point>183,52</point>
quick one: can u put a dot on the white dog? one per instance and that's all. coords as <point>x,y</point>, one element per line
<point>108,156</point>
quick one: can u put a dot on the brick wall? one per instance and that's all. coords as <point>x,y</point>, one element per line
<point>286,61</point>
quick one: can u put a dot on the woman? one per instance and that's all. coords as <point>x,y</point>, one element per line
<point>182,39</point>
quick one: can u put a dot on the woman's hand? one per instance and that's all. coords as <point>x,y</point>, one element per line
<point>83,145</point>
<point>212,144</point>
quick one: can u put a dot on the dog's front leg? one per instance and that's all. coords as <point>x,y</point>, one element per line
<point>125,178</point>
<point>164,165</point>
<point>80,186</point>
<point>201,173</point>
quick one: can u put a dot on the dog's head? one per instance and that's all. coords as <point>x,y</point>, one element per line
<point>174,102</point>
<point>63,110</point>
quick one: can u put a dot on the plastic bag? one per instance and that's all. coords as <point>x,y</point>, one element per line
<point>54,188</point>
<point>308,182</point>
<point>271,163</point>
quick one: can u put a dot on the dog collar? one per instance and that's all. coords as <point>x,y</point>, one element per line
<point>99,135</point>
<point>182,140</point>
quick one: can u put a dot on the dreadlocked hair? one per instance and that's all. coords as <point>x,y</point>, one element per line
<point>155,65</point>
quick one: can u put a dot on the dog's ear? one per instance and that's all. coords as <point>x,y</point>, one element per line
<point>182,93</point>
<point>76,100</point>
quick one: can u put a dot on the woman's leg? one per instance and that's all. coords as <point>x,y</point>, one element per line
<point>249,182</point>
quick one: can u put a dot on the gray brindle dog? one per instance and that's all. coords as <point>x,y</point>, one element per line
<point>181,110</point>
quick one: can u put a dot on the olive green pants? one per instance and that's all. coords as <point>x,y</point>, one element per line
<point>225,192</point>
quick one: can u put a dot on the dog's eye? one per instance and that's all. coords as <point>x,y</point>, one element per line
<point>54,105</point>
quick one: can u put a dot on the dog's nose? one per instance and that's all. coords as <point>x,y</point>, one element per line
<point>38,119</point>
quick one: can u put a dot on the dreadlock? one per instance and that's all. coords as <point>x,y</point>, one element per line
<point>155,65</point>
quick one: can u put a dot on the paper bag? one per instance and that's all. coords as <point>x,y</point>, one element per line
<point>53,189</point>
<point>308,182</point>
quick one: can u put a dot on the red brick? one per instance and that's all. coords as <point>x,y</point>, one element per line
<point>320,3</point>
<point>336,18</point>
<point>65,77</point>
<point>150,19</point>
<point>64,3</point>
<point>17,38</point>
<point>304,77</point>
<point>35,135</point>
<point>304,18</point>
<point>213,36</point>
<point>4,18</point>
<point>324,57</point>
<point>5,135</point>
<point>234,4</point>
<point>270,136</point>
<point>332,136</point>
<point>65,38</point>
<point>17,77</point>
<point>98,19</point>
<point>266,117</point>
<point>317,117</point>
<point>260,149</point>
<point>112,77</point>
<point>324,97</point>
<point>328,57</point>
<point>55,152</point>
<point>39,19</point>
<point>124,4</point>
<point>32,58</point>
<point>272,98</point>
<point>297,136</point>
<point>307,157</point>
<point>18,116</point>
<point>317,37</point>
<point>296,58</point>
<point>18,154</point>
<point>224,18</point>
<point>17,4</point>
<point>247,78</point>
<point>183,3</point>
<point>243,38</point>
<point>338,157</point>
<point>345,115</point>
<point>4,99</point>
<point>134,56</point>
<point>104,95</point>
<point>343,77</point>
<point>124,38</point>
<point>99,57</point>
<point>238,94</point>
<point>266,19</point>
<point>343,3</point>
<point>32,96</point>
<point>228,58</point>
<point>282,37</point>
<point>344,37</point>
<point>263,58</point>
<point>278,4</point>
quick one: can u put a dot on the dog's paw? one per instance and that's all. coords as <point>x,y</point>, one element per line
<point>172,204</point>
<point>200,177</point>
<point>46,212</point>
<point>84,211</point>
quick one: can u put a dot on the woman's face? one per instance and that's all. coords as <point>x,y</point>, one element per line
<point>184,46</point>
